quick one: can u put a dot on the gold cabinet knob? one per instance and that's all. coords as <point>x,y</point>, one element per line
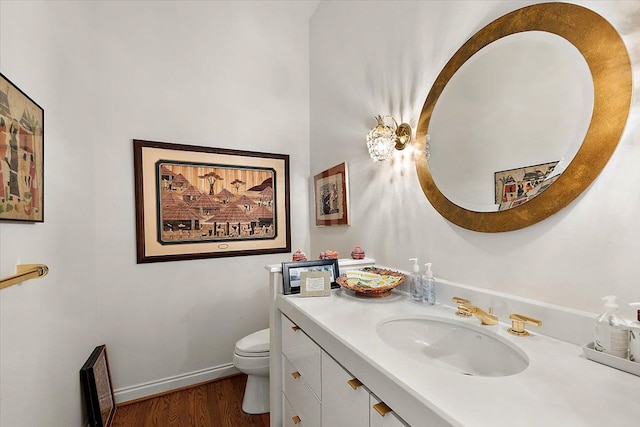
<point>295,374</point>
<point>296,419</point>
<point>518,322</point>
<point>354,383</point>
<point>295,328</point>
<point>382,408</point>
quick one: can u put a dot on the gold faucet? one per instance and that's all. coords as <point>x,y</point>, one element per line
<point>466,309</point>
<point>485,318</point>
<point>518,323</point>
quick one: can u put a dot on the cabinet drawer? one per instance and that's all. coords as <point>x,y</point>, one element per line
<point>303,353</point>
<point>303,401</point>
<point>290,418</point>
<point>345,401</point>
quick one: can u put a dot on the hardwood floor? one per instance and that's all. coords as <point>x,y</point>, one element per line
<point>213,404</point>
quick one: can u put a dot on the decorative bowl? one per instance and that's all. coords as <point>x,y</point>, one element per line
<point>371,281</point>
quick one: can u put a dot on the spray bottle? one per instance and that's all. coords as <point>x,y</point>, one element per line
<point>611,331</point>
<point>634,335</point>
<point>415,282</point>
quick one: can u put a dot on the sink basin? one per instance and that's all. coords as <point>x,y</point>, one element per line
<point>453,345</point>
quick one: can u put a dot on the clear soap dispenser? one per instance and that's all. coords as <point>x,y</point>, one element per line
<point>428,286</point>
<point>415,282</point>
<point>634,335</point>
<point>611,331</point>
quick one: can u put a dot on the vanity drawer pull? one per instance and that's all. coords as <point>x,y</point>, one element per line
<point>295,374</point>
<point>382,408</point>
<point>296,419</point>
<point>295,328</point>
<point>354,383</point>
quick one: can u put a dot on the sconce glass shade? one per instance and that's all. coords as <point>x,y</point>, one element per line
<point>383,139</point>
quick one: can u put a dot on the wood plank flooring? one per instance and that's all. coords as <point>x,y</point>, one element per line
<point>213,404</point>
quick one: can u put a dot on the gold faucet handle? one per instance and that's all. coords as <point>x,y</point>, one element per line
<point>518,322</point>
<point>464,306</point>
<point>485,318</point>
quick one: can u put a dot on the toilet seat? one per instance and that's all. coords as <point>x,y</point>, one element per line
<point>254,345</point>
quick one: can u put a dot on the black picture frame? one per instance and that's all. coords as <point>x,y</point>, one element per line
<point>291,273</point>
<point>97,389</point>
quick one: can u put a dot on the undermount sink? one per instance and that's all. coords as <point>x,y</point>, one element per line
<point>453,345</point>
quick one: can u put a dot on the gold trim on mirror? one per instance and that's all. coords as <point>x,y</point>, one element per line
<point>608,60</point>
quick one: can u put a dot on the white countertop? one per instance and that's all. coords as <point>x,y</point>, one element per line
<point>560,387</point>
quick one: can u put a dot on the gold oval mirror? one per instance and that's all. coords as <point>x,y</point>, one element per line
<point>608,62</point>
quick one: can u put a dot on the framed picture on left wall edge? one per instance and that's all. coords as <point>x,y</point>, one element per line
<point>21,155</point>
<point>197,202</point>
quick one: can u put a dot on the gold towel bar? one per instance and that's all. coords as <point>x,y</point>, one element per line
<point>25,272</point>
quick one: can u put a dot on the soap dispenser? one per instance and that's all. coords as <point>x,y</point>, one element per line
<point>634,335</point>
<point>428,286</point>
<point>415,282</point>
<point>611,331</point>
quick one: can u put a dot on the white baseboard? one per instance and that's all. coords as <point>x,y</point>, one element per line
<point>139,391</point>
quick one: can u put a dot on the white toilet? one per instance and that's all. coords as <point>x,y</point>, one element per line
<point>251,357</point>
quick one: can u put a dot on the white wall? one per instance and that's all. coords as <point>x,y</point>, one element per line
<point>218,74</point>
<point>370,58</point>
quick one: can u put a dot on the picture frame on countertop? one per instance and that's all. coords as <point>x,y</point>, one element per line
<point>291,273</point>
<point>331,194</point>
<point>315,283</point>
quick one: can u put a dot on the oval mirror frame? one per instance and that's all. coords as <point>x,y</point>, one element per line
<point>608,60</point>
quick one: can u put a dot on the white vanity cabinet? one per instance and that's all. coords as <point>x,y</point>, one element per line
<point>301,386</point>
<point>342,342</point>
<point>346,402</point>
<point>304,404</point>
<point>302,352</point>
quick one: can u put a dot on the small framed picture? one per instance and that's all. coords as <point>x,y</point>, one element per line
<point>97,389</point>
<point>292,271</point>
<point>315,284</point>
<point>331,189</point>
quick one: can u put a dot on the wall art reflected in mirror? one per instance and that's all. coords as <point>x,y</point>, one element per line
<point>531,88</point>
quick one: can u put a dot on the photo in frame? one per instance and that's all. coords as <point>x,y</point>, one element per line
<point>97,389</point>
<point>291,272</point>
<point>21,155</point>
<point>315,283</point>
<point>200,202</point>
<point>331,191</point>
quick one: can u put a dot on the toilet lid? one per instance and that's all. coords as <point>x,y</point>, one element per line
<point>255,344</point>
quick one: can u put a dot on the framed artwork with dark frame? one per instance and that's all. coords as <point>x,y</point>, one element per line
<point>21,155</point>
<point>331,190</point>
<point>200,202</point>
<point>291,272</point>
<point>95,378</point>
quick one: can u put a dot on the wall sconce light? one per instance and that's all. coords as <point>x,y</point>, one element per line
<point>383,138</point>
